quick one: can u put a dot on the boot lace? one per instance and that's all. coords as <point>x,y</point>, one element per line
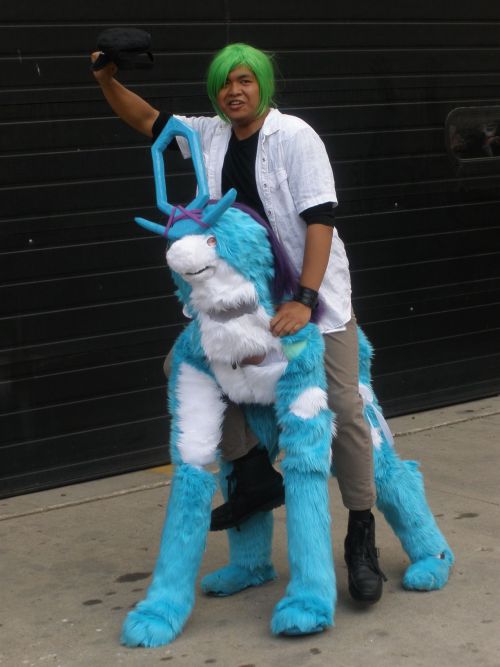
<point>370,553</point>
<point>231,493</point>
<point>231,486</point>
<point>363,550</point>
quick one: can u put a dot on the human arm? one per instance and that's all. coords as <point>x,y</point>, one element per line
<point>292,315</point>
<point>311,185</point>
<point>131,108</point>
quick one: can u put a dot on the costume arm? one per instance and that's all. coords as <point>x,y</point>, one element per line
<point>131,108</point>
<point>196,403</point>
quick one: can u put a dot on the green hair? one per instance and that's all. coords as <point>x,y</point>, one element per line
<point>235,55</point>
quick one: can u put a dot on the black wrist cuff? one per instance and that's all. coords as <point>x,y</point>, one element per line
<point>306,296</point>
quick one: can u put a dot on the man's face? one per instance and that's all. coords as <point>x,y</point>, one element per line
<point>239,98</point>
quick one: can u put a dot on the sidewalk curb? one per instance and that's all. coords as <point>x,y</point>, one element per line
<point>166,482</point>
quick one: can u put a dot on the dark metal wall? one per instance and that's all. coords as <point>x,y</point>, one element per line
<point>87,313</point>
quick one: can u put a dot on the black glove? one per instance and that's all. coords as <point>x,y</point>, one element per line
<point>124,47</point>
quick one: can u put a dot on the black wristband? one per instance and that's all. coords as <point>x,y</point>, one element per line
<point>306,296</point>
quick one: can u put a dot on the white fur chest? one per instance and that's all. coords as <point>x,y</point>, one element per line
<point>227,342</point>
<point>233,325</point>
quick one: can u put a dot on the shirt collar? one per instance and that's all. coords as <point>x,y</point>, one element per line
<point>272,122</point>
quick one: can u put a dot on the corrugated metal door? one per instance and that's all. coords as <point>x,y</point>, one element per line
<point>86,302</point>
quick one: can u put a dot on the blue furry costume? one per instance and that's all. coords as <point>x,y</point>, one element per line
<point>229,274</point>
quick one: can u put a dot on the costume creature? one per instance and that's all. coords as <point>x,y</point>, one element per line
<point>229,270</point>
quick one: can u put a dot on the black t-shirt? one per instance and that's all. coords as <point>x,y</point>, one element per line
<point>238,172</point>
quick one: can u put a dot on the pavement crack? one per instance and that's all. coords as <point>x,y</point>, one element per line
<point>452,422</point>
<point>85,501</point>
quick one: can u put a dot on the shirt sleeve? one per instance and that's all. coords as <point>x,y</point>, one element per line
<point>309,172</point>
<point>202,124</point>
<point>158,126</point>
<point>323,214</point>
<point>198,123</point>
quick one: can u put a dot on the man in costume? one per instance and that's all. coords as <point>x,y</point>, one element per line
<point>280,168</point>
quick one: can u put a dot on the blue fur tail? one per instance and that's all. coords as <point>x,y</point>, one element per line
<point>159,618</point>
<point>365,352</point>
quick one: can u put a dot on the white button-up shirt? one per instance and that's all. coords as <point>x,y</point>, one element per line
<point>293,173</point>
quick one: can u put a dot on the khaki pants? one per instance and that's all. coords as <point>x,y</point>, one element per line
<point>352,446</point>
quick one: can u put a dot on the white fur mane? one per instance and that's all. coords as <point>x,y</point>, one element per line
<point>233,325</point>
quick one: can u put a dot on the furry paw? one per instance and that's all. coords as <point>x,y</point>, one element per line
<point>428,574</point>
<point>152,626</point>
<point>301,616</point>
<point>234,578</point>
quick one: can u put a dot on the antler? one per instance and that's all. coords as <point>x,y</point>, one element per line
<point>176,128</point>
<point>150,226</point>
<point>219,208</point>
<point>194,215</point>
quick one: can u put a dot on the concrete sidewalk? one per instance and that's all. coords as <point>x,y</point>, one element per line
<point>75,559</point>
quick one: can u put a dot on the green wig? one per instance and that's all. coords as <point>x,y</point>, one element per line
<point>235,55</point>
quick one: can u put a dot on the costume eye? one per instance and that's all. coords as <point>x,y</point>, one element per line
<point>211,241</point>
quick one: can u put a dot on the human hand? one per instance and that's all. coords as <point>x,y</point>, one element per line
<point>291,317</point>
<point>107,72</point>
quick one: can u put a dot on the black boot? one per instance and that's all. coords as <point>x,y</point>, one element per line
<point>253,486</point>
<point>361,557</point>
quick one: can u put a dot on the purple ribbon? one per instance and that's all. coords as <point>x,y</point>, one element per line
<point>180,213</point>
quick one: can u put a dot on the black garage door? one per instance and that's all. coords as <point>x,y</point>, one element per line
<point>87,312</point>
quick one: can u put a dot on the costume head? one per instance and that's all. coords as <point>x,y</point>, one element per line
<point>244,240</point>
<point>236,55</point>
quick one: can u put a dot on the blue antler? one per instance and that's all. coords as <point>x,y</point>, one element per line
<point>196,215</point>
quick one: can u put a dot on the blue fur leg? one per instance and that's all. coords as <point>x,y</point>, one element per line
<point>305,437</point>
<point>310,596</point>
<point>235,578</point>
<point>428,574</point>
<point>250,553</point>
<point>401,495</point>
<point>401,498</point>
<point>160,617</point>
<point>301,615</point>
<point>152,625</point>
